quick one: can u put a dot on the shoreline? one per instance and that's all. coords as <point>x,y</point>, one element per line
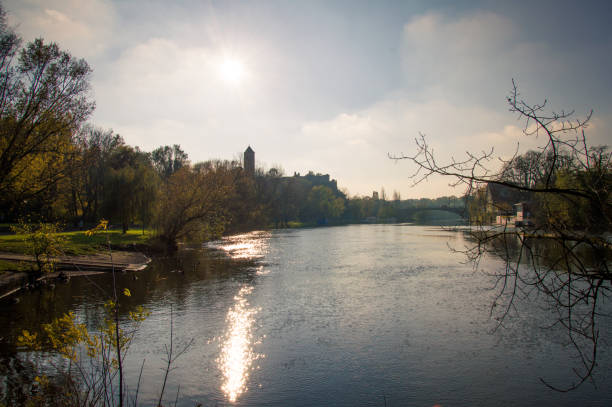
<point>70,266</point>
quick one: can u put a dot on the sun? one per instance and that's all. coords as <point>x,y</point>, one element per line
<point>232,71</point>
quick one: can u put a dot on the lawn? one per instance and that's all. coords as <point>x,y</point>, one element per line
<point>6,265</point>
<point>78,242</point>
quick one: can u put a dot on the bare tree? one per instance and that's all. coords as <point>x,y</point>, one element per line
<point>565,254</point>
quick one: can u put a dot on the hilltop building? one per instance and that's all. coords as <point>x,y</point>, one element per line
<point>249,161</point>
<point>311,179</point>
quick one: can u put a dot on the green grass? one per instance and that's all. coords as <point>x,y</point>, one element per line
<point>79,243</point>
<point>6,265</point>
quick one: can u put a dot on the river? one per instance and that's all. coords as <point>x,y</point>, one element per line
<point>360,315</point>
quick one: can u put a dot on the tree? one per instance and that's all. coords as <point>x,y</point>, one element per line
<point>43,242</point>
<point>43,101</point>
<point>323,205</point>
<point>566,257</point>
<point>168,160</point>
<point>246,211</point>
<point>192,204</point>
<point>95,147</point>
<point>130,186</point>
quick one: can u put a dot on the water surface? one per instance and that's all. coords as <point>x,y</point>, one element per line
<point>344,316</point>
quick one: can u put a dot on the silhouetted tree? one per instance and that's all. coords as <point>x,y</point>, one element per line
<point>323,205</point>
<point>192,204</point>
<point>567,257</point>
<point>168,160</point>
<point>43,101</point>
<point>129,187</point>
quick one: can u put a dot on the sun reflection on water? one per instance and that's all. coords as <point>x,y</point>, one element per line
<point>253,245</point>
<point>237,353</point>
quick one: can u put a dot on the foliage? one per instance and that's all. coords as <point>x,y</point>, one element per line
<point>84,194</point>
<point>94,372</point>
<point>168,160</point>
<point>43,101</point>
<point>192,204</point>
<point>92,365</point>
<point>323,205</point>
<point>130,186</point>
<point>77,242</point>
<point>43,242</point>
<point>566,256</point>
<point>18,266</point>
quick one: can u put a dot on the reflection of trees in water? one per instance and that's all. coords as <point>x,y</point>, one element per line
<point>572,277</point>
<point>169,278</point>
<point>566,183</point>
<point>17,375</point>
<point>437,217</point>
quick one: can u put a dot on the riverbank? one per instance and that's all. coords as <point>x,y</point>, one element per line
<point>79,242</point>
<point>12,281</point>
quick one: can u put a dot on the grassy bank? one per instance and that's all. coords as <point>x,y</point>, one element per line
<point>13,266</point>
<point>78,242</point>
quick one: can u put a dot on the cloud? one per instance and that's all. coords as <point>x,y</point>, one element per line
<point>452,54</point>
<point>472,59</point>
<point>161,91</point>
<point>329,100</point>
<point>157,77</point>
<point>356,145</point>
<point>457,73</point>
<point>86,30</point>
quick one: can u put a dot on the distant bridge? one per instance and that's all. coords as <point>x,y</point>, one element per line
<point>407,214</point>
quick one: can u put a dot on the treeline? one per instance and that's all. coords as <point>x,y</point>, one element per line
<point>369,209</point>
<point>55,166</point>
<point>565,189</point>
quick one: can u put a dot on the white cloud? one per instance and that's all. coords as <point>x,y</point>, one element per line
<point>156,82</point>
<point>161,91</point>
<point>86,30</point>
<point>355,145</point>
<point>457,74</point>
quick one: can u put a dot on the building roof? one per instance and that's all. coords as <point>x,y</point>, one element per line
<point>249,150</point>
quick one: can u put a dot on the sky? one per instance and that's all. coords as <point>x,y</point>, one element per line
<point>333,86</point>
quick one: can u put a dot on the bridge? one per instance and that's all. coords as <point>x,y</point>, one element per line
<point>408,214</point>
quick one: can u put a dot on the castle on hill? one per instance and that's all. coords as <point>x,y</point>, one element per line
<point>311,177</point>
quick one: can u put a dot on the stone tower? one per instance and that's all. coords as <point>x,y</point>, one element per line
<point>249,161</point>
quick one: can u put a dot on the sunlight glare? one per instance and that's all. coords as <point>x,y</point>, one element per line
<point>232,71</point>
<point>248,246</point>
<point>237,353</point>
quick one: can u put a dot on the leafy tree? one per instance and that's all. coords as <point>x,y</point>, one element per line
<point>322,204</point>
<point>95,147</point>
<point>271,193</point>
<point>168,160</point>
<point>385,211</point>
<point>130,186</point>
<point>80,195</point>
<point>570,182</point>
<point>43,243</point>
<point>294,199</point>
<point>192,204</point>
<point>43,101</point>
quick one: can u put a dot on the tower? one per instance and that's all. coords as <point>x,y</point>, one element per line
<point>249,161</point>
